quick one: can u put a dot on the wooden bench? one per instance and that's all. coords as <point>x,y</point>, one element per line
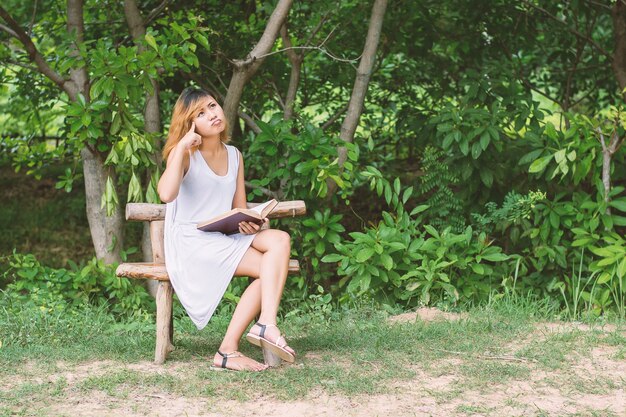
<point>155,214</point>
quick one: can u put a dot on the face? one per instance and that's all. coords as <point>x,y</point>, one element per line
<point>209,118</point>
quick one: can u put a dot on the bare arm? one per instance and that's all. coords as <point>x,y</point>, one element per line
<point>177,165</point>
<point>239,200</point>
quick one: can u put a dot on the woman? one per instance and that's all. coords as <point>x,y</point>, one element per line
<point>204,178</point>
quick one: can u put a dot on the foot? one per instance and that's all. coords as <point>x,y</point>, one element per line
<point>272,335</point>
<point>237,361</point>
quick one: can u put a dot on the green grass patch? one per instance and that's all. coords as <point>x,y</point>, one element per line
<point>353,353</point>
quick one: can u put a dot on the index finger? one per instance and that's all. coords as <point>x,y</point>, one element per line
<point>193,127</point>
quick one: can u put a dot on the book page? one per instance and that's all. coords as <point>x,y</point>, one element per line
<point>260,207</point>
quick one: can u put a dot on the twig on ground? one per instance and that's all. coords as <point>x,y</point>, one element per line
<point>501,358</point>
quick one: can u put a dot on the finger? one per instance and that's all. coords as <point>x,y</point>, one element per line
<point>193,127</point>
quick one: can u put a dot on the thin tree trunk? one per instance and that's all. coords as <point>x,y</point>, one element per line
<point>361,82</point>
<point>294,77</point>
<point>152,120</point>
<point>619,54</point>
<point>245,69</point>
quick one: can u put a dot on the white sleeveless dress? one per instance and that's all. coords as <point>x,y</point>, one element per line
<point>202,264</point>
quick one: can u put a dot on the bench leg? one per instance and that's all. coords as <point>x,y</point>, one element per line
<point>271,359</point>
<point>163,322</point>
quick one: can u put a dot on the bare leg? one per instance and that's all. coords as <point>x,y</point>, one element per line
<point>268,260</point>
<point>276,247</point>
<point>247,309</point>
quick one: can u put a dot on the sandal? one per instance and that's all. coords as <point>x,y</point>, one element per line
<point>225,358</point>
<point>274,347</point>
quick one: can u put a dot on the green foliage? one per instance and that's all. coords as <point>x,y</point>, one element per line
<point>515,214</point>
<point>301,164</point>
<point>411,263</point>
<point>320,233</point>
<point>55,290</point>
<point>435,187</point>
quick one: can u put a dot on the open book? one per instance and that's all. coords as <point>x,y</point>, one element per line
<point>228,223</point>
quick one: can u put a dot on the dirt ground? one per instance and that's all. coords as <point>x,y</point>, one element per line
<point>540,394</point>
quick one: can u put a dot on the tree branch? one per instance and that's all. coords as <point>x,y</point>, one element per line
<point>573,31</point>
<point>245,69</point>
<point>155,12</point>
<point>9,31</point>
<point>265,191</point>
<point>35,56</point>
<point>32,19</point>
<point>314,48</point>
<point>19,64</point>
<point>334,118</point>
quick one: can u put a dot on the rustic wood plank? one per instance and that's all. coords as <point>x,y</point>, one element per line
<point>157,241</point>
<point>157,271</point>
<point>163,321</point>
<point>152,212</point>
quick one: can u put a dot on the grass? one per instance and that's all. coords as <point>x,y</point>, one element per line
<point>352,354</point>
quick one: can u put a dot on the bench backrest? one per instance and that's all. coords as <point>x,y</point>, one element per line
<point>155,214</point>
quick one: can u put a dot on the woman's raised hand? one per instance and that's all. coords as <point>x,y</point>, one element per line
<point>191,138</point>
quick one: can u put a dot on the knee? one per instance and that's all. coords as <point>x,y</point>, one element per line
<point>283,241</point>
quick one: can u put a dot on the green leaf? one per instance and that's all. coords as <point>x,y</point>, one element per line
<point>486,176</point>
<point>464,146</point>
<point>432,231</point>
<point>419,209</point>
<point>619,204</point>
<point>496,257</point>
<point>387,261</point>
<point>476,150</point>
<point>407,194</point>
<point>364,254</point>
<point>484,140</point>
<point>478,268</point>
<point>333,257</point>
<point>621,268</point>
<point>151,41</point>
<point>539,164</point>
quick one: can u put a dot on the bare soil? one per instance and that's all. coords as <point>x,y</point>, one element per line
<point>594,384</point>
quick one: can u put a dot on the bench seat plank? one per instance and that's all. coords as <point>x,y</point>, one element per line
<point>151,212</point>
<point>157,271</point>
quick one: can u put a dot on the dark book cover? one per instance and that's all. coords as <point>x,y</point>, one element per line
<point>228,223</point>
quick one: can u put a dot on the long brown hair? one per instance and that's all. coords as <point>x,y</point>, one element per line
<point>185,109</point>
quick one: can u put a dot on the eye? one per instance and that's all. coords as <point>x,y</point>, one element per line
<point>201,114</point>
<point>212,105</point>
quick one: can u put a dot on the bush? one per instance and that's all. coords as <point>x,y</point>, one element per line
<point>56,290</point>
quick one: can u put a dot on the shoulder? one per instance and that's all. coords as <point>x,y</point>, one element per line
<point>234,151</point>
<point>232,148</point>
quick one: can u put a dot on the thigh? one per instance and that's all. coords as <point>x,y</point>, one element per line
<point>250,264</point>
<point>271,238</point>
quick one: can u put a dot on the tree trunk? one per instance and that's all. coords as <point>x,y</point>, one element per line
<point>363,74</point>
<point>294,78</point>
<point>245,69</point>
<point>106,232</point>
<point>361,82</point>
<point>152,120</point>
<point>619,54</point>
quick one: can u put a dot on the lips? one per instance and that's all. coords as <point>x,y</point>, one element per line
<point>216,122</point>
